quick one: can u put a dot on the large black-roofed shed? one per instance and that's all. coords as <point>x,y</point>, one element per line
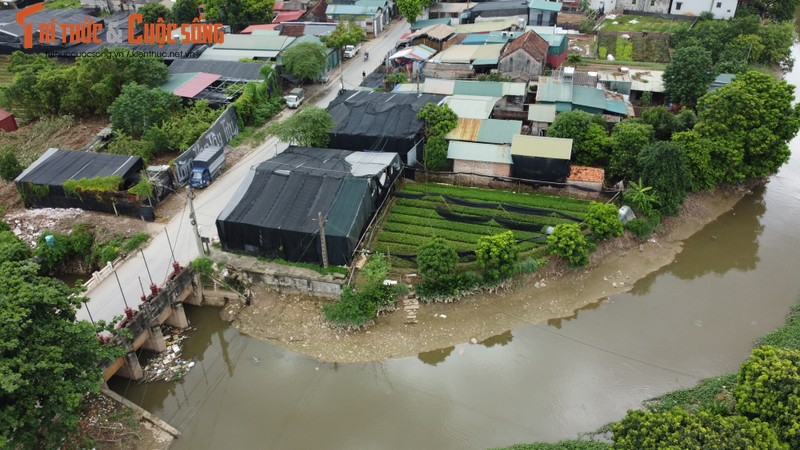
<point>274,212</point>
<point>56,166</point>
<point>378,121</point>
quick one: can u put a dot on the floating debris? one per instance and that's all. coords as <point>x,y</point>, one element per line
<point>169,365</point>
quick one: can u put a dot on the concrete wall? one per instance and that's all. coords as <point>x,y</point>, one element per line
<point>651,6</point>
<point>537,17</point>
<point>520,65</point>
<point>722,9</point>
<point>295,284</point>
<point>482,168</point>
<point>603,5</point>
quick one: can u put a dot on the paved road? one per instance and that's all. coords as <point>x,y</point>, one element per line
<point>106,300</point>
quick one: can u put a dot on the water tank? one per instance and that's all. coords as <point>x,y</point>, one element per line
<point>51,240</point>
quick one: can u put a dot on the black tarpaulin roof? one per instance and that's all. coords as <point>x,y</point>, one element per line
<point>228,69</point>
<point>368,120</point>
<point>274,212</point>
<point>56,166</point>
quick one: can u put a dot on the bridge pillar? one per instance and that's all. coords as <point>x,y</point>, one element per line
<point>131,369</point>
<point>155,341</point>
<point>178,317</point>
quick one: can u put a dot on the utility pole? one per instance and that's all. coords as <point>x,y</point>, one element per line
<point>193,220</point>
<point>321,224</point>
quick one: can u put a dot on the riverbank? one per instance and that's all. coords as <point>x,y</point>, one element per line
<point>294,321</point>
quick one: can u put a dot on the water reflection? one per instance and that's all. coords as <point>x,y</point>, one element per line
<point>558,321</point>
<point>501,339</point>
<point>435,357</point>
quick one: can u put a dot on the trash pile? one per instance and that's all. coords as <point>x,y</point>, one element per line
<point>168,365</point>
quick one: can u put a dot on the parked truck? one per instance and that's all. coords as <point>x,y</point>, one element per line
<point>206,166</point>
<point>350,51</point>
<point>295,98</point>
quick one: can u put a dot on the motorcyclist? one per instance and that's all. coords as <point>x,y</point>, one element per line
<point>366,56</point>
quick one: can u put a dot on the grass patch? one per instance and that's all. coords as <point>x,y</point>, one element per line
<point>250,135</point>
<point>6,77</point>
<point>615,64</point>
<point>787,336</point>
<point>62,4</point>
<point>562,445</point>
<point>319,269</point>
<point>644,23</point>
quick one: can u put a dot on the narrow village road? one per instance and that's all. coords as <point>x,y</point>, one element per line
<point>109,298</point>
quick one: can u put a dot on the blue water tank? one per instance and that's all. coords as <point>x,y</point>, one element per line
<point>51,240</point>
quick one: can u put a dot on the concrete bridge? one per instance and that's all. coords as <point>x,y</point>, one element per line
<point>163,305</point>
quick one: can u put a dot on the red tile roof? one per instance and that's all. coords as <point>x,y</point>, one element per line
<point>287,16</point>
<point>265,26</point>
<point>531,43</point>
<point>5,114</point>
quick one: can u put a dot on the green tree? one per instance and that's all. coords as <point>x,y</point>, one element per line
<point>663,166</point>
<point>641,197</point>
<point>49,360</point>
<point>437,260</point>
<point>139,107</point>
<point>435,156</point>
<point>689,74</point>
<point>151,12</point>
<point>309,127</point>
<point>677,429</point>
<point>411,9</point>
<point>777,10</point>
<point>346,33</point>
<point>662,120</point>
<point>750,122</point>
<point>12,248</point>
<point>568,242</point>
<point>182,130</point>
<point>439,119</point>
<point>768,388</point>
<point>305,60</point>
<point>627,140</point>
<point>123,144</point>
<point>588,134</point>
<point>498,256</point>
<point>238,13</point>
<point>699,152</point>
<point>603,221</point>
<point>10,167</point>
<point>184,11</point>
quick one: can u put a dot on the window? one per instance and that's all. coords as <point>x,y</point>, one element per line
<point>652,2</point>
<point>719,4</point>
<point>678,6</point>
<point>633,2</point>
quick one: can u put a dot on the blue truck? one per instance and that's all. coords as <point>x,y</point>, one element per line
<point>206,166</point>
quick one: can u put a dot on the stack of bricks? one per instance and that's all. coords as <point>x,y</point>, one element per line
<point>410,306</point>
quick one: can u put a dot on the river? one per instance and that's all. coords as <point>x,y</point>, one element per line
<point>697,317</point>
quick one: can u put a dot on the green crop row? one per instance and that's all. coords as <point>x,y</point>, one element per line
<point>481,212</point>
<point>387,246</point>
<point>565,204</point>
<point>442,223</point>
<point>450,235</point>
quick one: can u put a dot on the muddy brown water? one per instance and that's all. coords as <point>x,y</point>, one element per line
<point>697,317</point>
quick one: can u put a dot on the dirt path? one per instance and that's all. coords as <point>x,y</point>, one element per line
<point>295,322</point>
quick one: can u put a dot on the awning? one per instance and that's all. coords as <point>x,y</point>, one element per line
<point>196,84</point>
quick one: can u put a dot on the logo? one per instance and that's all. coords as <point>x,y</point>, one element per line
<point>88,32</point>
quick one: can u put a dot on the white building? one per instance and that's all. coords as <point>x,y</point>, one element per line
<point>721,9</point>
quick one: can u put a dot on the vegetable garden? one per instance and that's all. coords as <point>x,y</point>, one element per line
<point>441,211</point>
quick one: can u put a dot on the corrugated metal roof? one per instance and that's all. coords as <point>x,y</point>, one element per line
<point>263,26</point>
<point>266,32</point>
<point>417,53</point>
<point>471,107</point>
<point>551,92</point>
<point>351,10</point>
<point>541,113</point>
<point>647,80</point>
<point>545,5</point>
<point>228,69</point>
<point>484,88</point>
<point>456,54</point>
<point>236,55</point>
<point>287,16</point>
<point>541,147</point>
<point>473,151</point>
<point>439,86</point>
<point>616,106</point>
<point>176,80</point>
<point>378,3</point>
<point>465,130</point>
<point>254,42</point>
<point>589,97</point>
<point>488,51</point>
<point>420,24</point>
<point>196,84</point>
<point>484,27</point>
<point>495,131</point>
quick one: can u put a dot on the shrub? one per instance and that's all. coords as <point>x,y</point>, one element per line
<point>135,241</point>
<point>566,241</point>
<point>497,255</point>
<point>143,188</point>
<point>768,388</point>
<point>10,168</point>
<point>437,260</point>
<point>603,221</point>
<point>663,166</point>
<point>13,248</point>
<point>677,429</point>
<point>204,266</point>
<point>352,311</point>
<point>530,265</point>
<point>376,270</point>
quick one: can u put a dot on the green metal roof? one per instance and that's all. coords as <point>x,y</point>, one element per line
<point>254,42</point>
<point>177,80</point>
<point>485,62</point>
<point>494,131</point>
<point>616,106</point>
<point>588,97</point>
<point>550,92</point>
<point>545,5</point>
<point>420,24</point>
<point>485,88</point>
<point>473,151</point>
